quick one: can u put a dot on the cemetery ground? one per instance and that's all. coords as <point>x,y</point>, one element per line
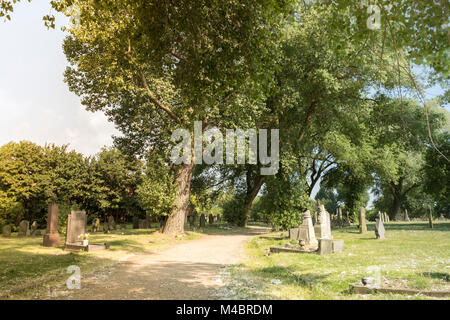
<point>412,256</point>
<point>215,263</point>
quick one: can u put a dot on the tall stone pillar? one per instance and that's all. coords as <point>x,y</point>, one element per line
<point>51,237</point>
<point>362,220</point>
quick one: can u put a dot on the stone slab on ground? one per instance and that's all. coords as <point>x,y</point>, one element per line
<point>338,246</point>
<point>360,289</point>
<point>279,249</point>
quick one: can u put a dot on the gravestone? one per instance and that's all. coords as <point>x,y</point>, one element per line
<point>325,246</point>
<point>96,225</point>
<point>362,220</point>
<point>441,218</point>
<point>135,222</point>
<point>379,228</point>
<point>338,246</point>
<point>105,227</point>
<point>405,215</point>
<point>76,226</point>
<point>24,225</point>
<point>322,229</point>
<point>34,229</point>
<point>143,224</point>
<point>347,219</point>
<point>51,237</point>
<point>293,233</point>
<point>211,219</point>
<point>202,220</point>
<point>6,231</point>
<point>430,217</point>
<point>111,223</point>
<point>306,230</point>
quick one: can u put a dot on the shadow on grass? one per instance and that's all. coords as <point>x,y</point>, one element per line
<point>289,277</point>
<point>422,226</point>
<point>436,275</point>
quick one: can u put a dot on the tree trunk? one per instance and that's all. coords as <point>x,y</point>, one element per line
<point>251,197</point>
<point>175,220</point>
<point>395,207</point>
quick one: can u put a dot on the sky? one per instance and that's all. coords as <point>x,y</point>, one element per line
<point>35,103</point>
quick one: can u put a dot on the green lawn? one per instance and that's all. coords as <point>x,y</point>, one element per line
<point>412,255</point>
<point>25,265</point>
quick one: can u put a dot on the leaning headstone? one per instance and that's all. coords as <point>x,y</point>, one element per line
<point>23,228</point>
<point>111,223</point>
<point>306,230</point>
<point>76,226</point>
<point>96,225</point>
<point>211,219</point>
<point>362,220</point>
<point>34,229</point>
<point>51,237</point>
<point>322,229</point>
<point>430,217</point>
<point>135,222</point>
<point>293,233</point>
<point>379,228</point>
<point>405,215</point>
<point>202,220</point>
<point>6,231</point>
<point>325,246</point>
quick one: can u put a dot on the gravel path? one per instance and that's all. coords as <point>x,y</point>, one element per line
<point>191,270</point>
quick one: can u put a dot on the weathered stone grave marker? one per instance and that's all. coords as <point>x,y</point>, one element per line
<point>362,220</point>
<point>6,231</point>
<point>322,229</point>
<point>96,225</point>
<point>51,237</point>
<point>24,225</point>
<point>379,228</point>
<point>306,230</point>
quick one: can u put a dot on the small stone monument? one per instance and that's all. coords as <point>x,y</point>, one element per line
<point>441,218</point>
<point>105,226</point>
<point>96,225</point>
<point>111,223</point>
<point>306,230</point>
<point>347,218</point>
<point>379,228</point>
<point>405,215</point>
<point>362,220</point>
<point>293,233</point>
<point>76,226</point>
<point>322,229</point>
<point>135,222</point>
<point>6,231</point>
<point>34,229</point>
<point>325,246</point>
<point>51,237</point>
<point>24,225</point>
<point>202,220</point>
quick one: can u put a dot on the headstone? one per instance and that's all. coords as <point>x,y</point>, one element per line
<point>347,218</point>
<point>405,216</point>
<point>34,229</point>
<point>135,222</point>
<point>51,237</point>
<point>105,227</point>
<point>143,224</point>
<point>293,233</point>
<point>322,229</point>
<point>111,223</point>
<point>76,226</point>
<point>362,220</point>
<point>441,218</point>
<point>211,219</point>
<point>202,220</point>
<point>379,228</point>
<point>23,228</point>
<point>6,231</point>
<point>96,225</point>
<point>430,217</point>
<point>325,246</point>
<point>306,230</point>
<point>338,246</point>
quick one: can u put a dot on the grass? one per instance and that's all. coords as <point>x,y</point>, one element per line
<point>26,267</point>
<point>412,256</point>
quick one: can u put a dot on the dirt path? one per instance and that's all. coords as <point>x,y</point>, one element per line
<point>191,270</point>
